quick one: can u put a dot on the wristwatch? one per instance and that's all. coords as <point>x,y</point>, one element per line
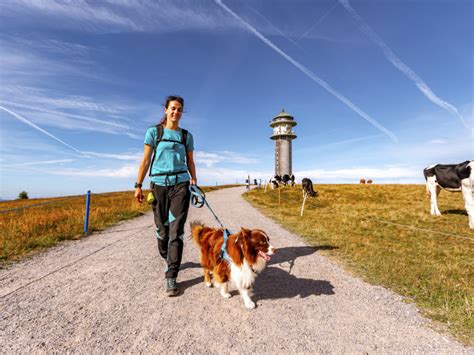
<point>137,185</point>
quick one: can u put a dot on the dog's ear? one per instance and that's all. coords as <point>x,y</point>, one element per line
<point>245,233</point>
<point>244,241</point>
<point>196,230</point>
<point>239,237</point>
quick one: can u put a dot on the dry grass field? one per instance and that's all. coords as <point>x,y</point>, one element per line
<point>27,230</point>
<point>385,234</point>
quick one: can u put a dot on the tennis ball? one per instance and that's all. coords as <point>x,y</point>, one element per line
<point>150,198</point>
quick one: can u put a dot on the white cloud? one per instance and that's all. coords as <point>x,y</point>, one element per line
<point>213,175</point>
<point>384,174</point>
<point>438,141</point>
<point>42,148</point>
<point>37,97</point>
<point>40,96</point>
<point>46,107</point>
<point>120,16</point>
<point>37,43</point>
<point>20,64</point>
<point>210,159</point>
<point>206,176</point>
<point>44,117</point>
<point>126,171</point>
<point>59,113</point>
<point>46,162</point>
<point>123,156</point>
<point>75,11</point>
<point>152,16</point>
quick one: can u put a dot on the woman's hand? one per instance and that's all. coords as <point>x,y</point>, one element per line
<point>144,165</point>
<point>139,194</point>
<point>193,182</point>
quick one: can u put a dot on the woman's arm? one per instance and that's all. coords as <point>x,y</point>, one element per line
<point>191,167</point>
<point>142,170</point>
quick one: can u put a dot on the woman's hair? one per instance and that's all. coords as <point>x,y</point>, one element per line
<point>168,100</point>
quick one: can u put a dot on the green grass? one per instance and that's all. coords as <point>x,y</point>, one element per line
<point>434,270</point>
<point>29,230</point>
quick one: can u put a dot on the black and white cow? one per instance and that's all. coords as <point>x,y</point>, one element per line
<point>307,187</point>
<point>292,180</point>
<point>288,180</point>
<point>285,179</point>
<point>452,177</point>
<point>275,181</point>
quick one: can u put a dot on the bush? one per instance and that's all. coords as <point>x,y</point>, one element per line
<point>23,195</point>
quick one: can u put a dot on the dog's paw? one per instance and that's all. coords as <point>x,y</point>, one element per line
<point>208,284</point>
<point>225,293</point>
<point>250,304</point>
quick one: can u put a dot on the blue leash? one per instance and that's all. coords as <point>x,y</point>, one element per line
<point>198,199</point>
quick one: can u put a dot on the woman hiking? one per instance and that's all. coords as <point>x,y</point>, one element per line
<point>169,150</point>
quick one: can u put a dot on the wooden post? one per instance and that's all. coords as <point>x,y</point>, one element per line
<point>302,205</point>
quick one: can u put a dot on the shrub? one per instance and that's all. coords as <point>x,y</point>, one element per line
<point>23,195</point>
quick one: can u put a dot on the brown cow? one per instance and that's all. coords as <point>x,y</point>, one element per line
<point>362,181</point>
<point>369,181</point>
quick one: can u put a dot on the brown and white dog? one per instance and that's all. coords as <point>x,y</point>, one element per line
<point>248,252</point>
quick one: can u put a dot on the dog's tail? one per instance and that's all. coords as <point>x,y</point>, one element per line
<point>196,231</point>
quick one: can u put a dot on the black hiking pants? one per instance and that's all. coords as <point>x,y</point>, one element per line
<point>170,209</point>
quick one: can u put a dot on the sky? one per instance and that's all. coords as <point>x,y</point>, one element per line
<point>379,89</point>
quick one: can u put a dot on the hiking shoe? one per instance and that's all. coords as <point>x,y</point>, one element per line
<point>171,287</point>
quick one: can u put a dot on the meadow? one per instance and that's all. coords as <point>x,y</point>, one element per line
<point>385,235</point>
<point>35,224</point>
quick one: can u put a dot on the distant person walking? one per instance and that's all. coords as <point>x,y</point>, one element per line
<point>247,184</point>
<point>172,171</point>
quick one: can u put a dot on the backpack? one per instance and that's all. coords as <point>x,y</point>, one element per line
<point>159,138</point>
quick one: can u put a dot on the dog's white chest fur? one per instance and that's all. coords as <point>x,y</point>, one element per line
<point>244,276</point>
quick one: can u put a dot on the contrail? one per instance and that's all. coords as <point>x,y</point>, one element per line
<point>321,19</point>
<point>274,27</point>
<point>24,120</point>
<point>310,74</point>
<point>405,69</point>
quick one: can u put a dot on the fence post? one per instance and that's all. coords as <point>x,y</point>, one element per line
<point>86,217</point>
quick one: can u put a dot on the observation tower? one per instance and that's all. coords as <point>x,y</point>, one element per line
<point>283,134</point>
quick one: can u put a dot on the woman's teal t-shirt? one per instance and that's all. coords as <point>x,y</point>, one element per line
<point>170,156</point>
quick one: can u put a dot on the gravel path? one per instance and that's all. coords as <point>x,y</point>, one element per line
<point>105,294</point>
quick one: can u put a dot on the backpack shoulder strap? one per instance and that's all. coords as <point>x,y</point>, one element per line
<point>159,135</point>
<point>184,138</point>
